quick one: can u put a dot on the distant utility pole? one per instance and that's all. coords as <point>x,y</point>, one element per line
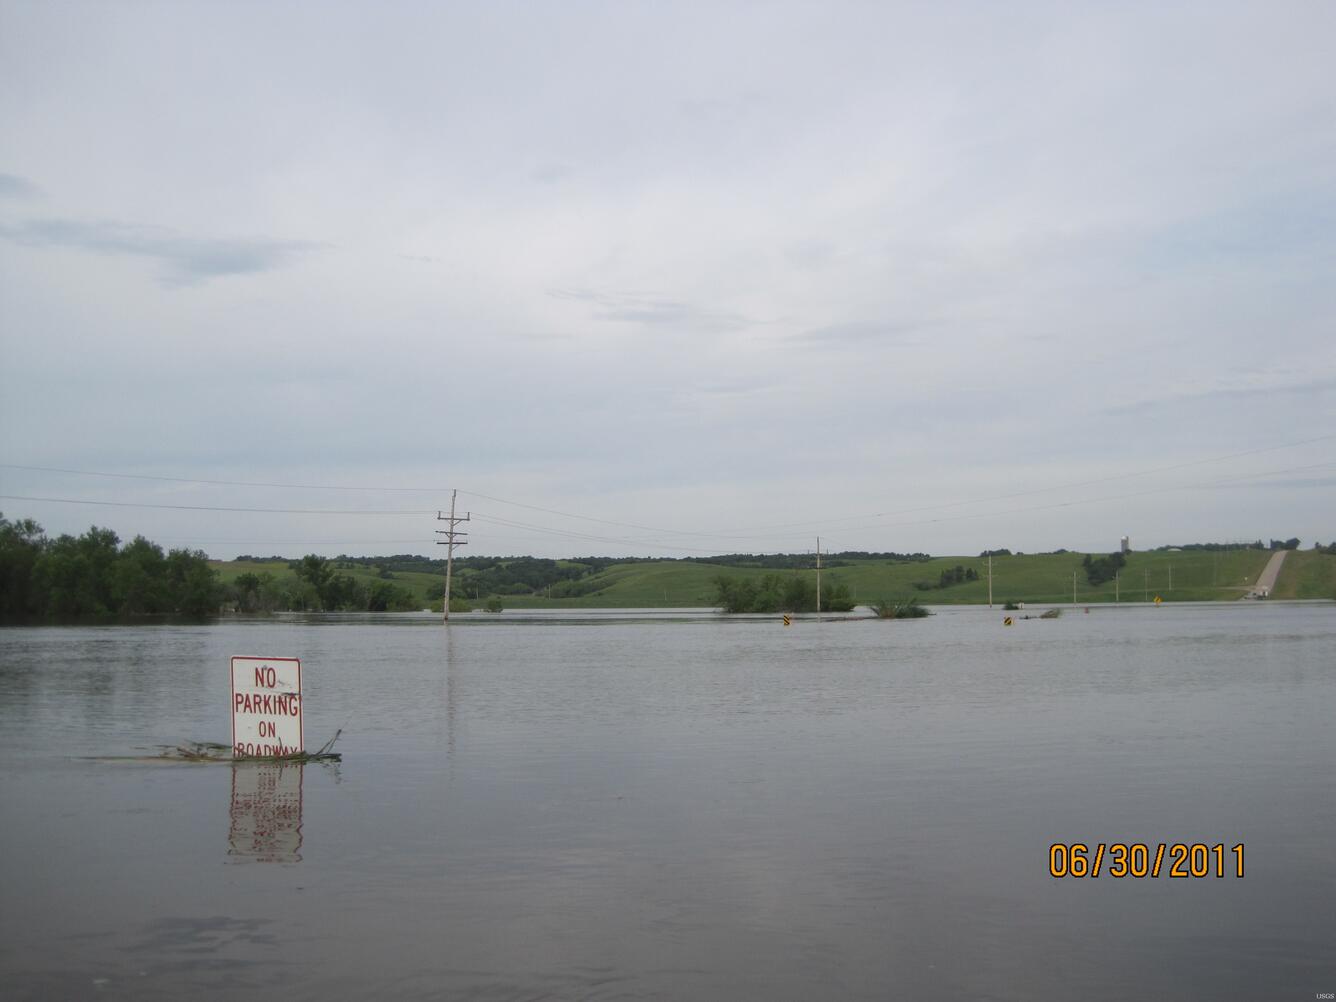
<point>1171,577</point>
<point>451,541</point>
<point>1146,581</point>
<point>818,577</point>
<point>1115,587</point>
<point>1073,587</point>
<point>990,580</point>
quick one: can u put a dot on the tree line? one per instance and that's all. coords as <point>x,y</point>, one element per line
<point>94,577</point>
<point>802,561</point>
<point>1276,544</point>
<point>949,577</point>
<point>317,588</point>
<point>1100,570</point>
<point>478,576</point>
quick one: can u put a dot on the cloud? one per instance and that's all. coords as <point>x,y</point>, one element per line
<point>1301,483</point>
<point>836,335</point>
<point>551,173</point>
<point>1257,396</point>
<point>735,279</point>
<point>653,310</point>
<point>186,260</point>
<point>13,186</point>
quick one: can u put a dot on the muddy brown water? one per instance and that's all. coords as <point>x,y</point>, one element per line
<point>676,806</point>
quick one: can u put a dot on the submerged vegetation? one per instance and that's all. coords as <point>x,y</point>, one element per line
<point>212,751</point>
<point>779,593</point>
<point>886,609</point>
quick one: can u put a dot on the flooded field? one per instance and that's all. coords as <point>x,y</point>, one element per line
<point>676,806</point>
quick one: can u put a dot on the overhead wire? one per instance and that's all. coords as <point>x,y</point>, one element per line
<point>716,534</point>
<point>1057,487</point>
<point>232,508</point>
<point>544,530</point>
<point>1099,500</point>
<point>742,536</point>
<point>549,531</point>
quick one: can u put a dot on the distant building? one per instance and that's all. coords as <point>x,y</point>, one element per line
<point>1125,545</point>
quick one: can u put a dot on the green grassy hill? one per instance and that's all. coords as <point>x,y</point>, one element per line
<point>1307,574</point>
<point>1192,575</point>
<point>1196,576</point>
<point>230,570</point>
<point>1184,576</point>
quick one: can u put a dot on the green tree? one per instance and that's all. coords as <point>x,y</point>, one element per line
<point>194,584</point>
<point>1103,569</point>
<point>245,592</point>
<point>139,580</point>
<point>21,545</point>
<point>778,592</point>
<point>75,573</point>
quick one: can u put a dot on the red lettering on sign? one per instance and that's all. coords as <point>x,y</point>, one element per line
<point>266,676</point>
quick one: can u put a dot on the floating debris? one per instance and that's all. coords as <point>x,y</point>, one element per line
<point>212,751</point>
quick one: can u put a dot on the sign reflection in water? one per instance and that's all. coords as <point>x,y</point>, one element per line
<point>266,813</point>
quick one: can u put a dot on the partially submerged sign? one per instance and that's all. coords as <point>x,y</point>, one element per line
<point>266,706</point>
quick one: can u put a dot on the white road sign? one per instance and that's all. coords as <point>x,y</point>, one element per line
<point>266,706</point>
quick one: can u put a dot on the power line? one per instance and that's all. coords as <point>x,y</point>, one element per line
<point>590,518</point>
<point>225,483</point>
<point>1058,487</point>
<point>1083,501</point>
<point>551,531</point>
<point>656,544</point>
<point>727,534</point>
<point>202,507</point>
<point>341,541</point>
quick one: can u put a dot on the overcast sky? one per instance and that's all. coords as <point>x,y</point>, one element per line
<point>910,276</point>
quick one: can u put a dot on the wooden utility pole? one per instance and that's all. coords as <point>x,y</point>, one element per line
<point>990,580</point>
<point>1073,587</point>
<point>818,577</point>
<point>450,541</point>
<point>1115,587</point>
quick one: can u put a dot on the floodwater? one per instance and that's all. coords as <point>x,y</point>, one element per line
<point>677,806</point>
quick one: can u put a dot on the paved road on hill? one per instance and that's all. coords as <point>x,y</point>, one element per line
<point>1266,581</point>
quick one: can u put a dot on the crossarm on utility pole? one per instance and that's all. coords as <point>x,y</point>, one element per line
<point>451,540</point>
